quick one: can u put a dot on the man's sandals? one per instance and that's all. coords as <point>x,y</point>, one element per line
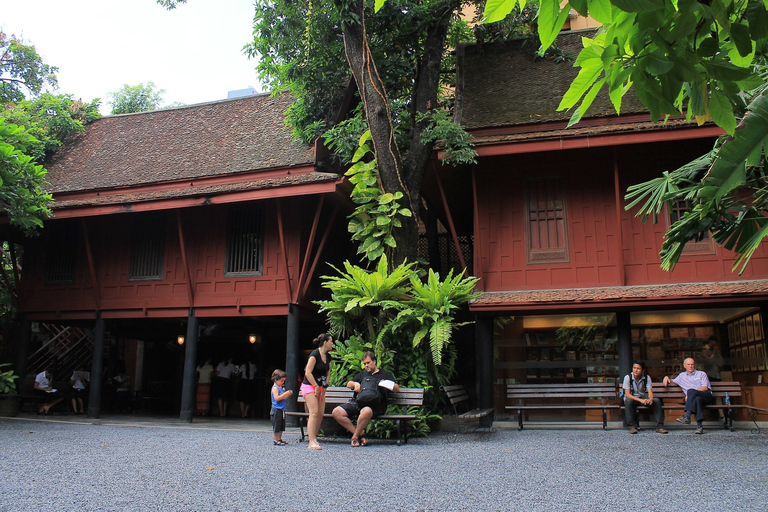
<point>363,441</point>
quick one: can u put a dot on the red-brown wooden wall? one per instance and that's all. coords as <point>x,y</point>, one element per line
<point>204,231</point>
<point>587,177</point>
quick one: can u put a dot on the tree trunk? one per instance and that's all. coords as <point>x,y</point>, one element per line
<point>397,175</point>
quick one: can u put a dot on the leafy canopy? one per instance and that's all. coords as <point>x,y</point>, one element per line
<point>22,70</point>
<point>136,98</point>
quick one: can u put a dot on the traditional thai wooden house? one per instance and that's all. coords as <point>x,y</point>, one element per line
<point>184,234</point>
<point>572,288</point>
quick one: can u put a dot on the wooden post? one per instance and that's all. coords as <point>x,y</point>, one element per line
<point>97,367</point>
<point>292,360</point>
<point>484,347</point>
<point>188,385</point>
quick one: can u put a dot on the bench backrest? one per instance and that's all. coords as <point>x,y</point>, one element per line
<point>569,390</point>
<point>341,394</point>
<point>455,394</point>
<point>674,392</point>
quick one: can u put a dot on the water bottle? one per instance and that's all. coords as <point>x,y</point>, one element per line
<point>727,399</point>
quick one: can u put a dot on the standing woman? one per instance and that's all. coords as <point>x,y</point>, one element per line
<point>313,386</point>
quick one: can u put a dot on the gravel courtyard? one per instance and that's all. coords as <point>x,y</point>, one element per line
<point>59,466</point>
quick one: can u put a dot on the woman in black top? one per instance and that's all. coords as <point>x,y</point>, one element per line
<point>313,386</point>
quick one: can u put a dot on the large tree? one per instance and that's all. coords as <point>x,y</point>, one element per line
<point>399,57</point>
<point>703,60</point>
<point>22,70</point>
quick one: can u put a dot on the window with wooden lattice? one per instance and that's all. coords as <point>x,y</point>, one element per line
<point>61,252</point>
<point>244,241</point>
<point>147,248</point>
<point>546,222</point>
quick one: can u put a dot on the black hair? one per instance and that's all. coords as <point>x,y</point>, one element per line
<point>321,338</point>
<point>639,362</point>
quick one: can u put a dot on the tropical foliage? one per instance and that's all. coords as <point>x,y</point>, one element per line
<point>378,213</point>
<point>398,317</point>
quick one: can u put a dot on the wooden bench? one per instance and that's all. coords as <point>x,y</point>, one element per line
<point>527,397</point>
<point>672,399</point>
<point>406,397</point>
<point>459,399</point>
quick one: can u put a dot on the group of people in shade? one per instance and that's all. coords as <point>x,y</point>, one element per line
<point>216,387</point>
<point>371,387</point>
<point>638,390</point>
<point>77,392</point>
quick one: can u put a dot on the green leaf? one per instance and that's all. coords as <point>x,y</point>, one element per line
<point>588,75</point>
<point>728,171</point>
<point>657,63</point>
<point>639,5</point>
<point>601,11</point>
<point>740,36</point>
<point>721,111</point>
<point>497,10</point>
<point>551,20</point>
<point>378,5</point>
<point>722,70</point>
<point>580,6</point>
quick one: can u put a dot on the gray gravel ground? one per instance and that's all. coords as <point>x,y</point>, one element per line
<point>50,466</point>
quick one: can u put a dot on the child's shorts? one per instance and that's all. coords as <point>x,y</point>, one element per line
<point>277,416</point>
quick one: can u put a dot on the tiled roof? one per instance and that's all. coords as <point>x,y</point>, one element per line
<point>261,184</point>
<point>620,293</point>
<point>197,141</point>
<point>505,84</point>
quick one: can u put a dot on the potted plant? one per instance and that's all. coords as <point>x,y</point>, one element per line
<point>9,399</point>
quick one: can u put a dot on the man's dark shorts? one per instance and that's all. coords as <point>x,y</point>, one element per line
<point>353,410</point>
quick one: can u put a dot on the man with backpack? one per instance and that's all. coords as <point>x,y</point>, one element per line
<point>371,387</point>
<point>638,391</point>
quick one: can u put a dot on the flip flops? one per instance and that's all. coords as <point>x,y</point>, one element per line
<point>355,442</point>
<point>279,442</point>
<point>363,441</point>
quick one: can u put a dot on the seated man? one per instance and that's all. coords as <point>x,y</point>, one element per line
<point>371,389</point>
<point>697,391</point>
<point>638,391</point>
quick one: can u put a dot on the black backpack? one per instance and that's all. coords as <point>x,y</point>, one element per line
<point>370,393</point>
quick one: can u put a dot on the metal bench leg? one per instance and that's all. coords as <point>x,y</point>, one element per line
<point>302,420</point>
<point>399,434</point>
<point>519,419</point>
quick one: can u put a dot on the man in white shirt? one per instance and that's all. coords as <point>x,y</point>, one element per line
<point>697,391</point>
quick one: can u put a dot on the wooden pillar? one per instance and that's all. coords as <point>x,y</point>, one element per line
<point>22,349</point>
<point>484,348</point>
<point>292,360</point>
<point>97,368</point>
<point>624,343</point>
<point>189,382</point>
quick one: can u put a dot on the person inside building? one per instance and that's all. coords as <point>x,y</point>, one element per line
<point>43,388</point>
<point>712,359</point>
<point>122,384</point>
<point>697,391</point>
<point>246,388</point>
<point>316,374</point>
<point>223,374</point>
<point>371,387</point>
<point>638,391</point>
<point>79,382</point>
<point>204,376</point>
